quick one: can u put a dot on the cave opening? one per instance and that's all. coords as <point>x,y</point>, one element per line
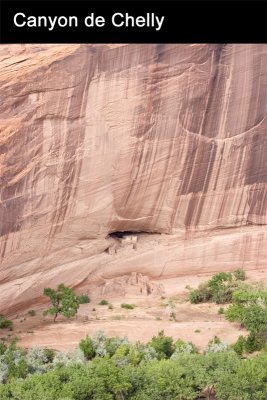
<point>120,239</point>
<point>121,234</point>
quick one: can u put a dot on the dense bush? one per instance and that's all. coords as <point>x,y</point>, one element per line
<point>5,323</point>
<point>163,345</point>
<point>127,306</point>
<point>247,383</point>
<point>182,347</point>
<point>249,308</point>
<point>87,346</point>
<point>120,370</point>
<point>240,274</point>
<point>216,346</point>
<point>103,302</point>
<point>219,288</point>
<point>240,345</point>
<point>185,378</point>
<point>84,299</point>
<point>200,295</point>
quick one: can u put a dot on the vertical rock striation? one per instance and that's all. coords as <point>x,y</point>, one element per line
<point>102,138</point>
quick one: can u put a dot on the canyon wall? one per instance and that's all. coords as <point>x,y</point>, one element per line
<point>94,139</point>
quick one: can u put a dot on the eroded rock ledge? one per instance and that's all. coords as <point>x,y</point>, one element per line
<point>156,138</point>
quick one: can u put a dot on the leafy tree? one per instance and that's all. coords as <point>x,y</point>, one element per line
<point>248,382</point>
<point>64,301</point>
<point>126,373</point>
<point>249,308</point>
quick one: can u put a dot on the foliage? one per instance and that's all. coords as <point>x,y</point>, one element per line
<point>100,345</point>
<point>249,308</point>
<point>84,299</point>
<point>219,288</point>
<point>163,345</point>
<point>239,274</point>
<point>247,383</point>
<point>127,306</point>
<point>64,301</point>
<point>125,376</point>
<point>182,347</point>
<point>3,348</point>
<point>36,360</point>
<point>200,295</point>
<point>62,359</point>
<point>87,346</point>
<point>5,323</point>
<point>132,371</point>
<point>103,302</point>
<point>240,345</point>
<point>254,342</point>
<point>216,346</point>
<point>12,363</point>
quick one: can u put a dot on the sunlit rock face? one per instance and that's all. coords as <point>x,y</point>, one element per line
<point>155,138</point>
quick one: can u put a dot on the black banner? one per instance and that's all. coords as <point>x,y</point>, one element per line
<point>133,22</point>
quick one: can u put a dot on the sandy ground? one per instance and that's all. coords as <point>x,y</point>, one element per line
<point>196,323</point>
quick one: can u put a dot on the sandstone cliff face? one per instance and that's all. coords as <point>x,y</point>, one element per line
<point>155,138</point>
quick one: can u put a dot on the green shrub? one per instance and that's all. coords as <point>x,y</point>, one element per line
<point>221,311</point>
<point>200,295</point>
<point>163,345</point>
<point>5,323</point>
<point>240,345</point>
<point>3,348</point>
<point>134,372</point>
<point>217,279</point>
<point>239,274</point>
<point>249,308</point>
<point>215,345</point>
<point>103,302</point>
<point>251,316</point>
<point>219,288</point>
<point>253,343</point>
<point>50,354</point>
<point>112,344</point>
<point>223,294</point>
<point>248,382</point>
<point>128,306</point>
<point>184,347</point>
<point>84,299</point>
<point>88,348</point>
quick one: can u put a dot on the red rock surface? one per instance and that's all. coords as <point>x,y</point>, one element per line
<point>157,138</point>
